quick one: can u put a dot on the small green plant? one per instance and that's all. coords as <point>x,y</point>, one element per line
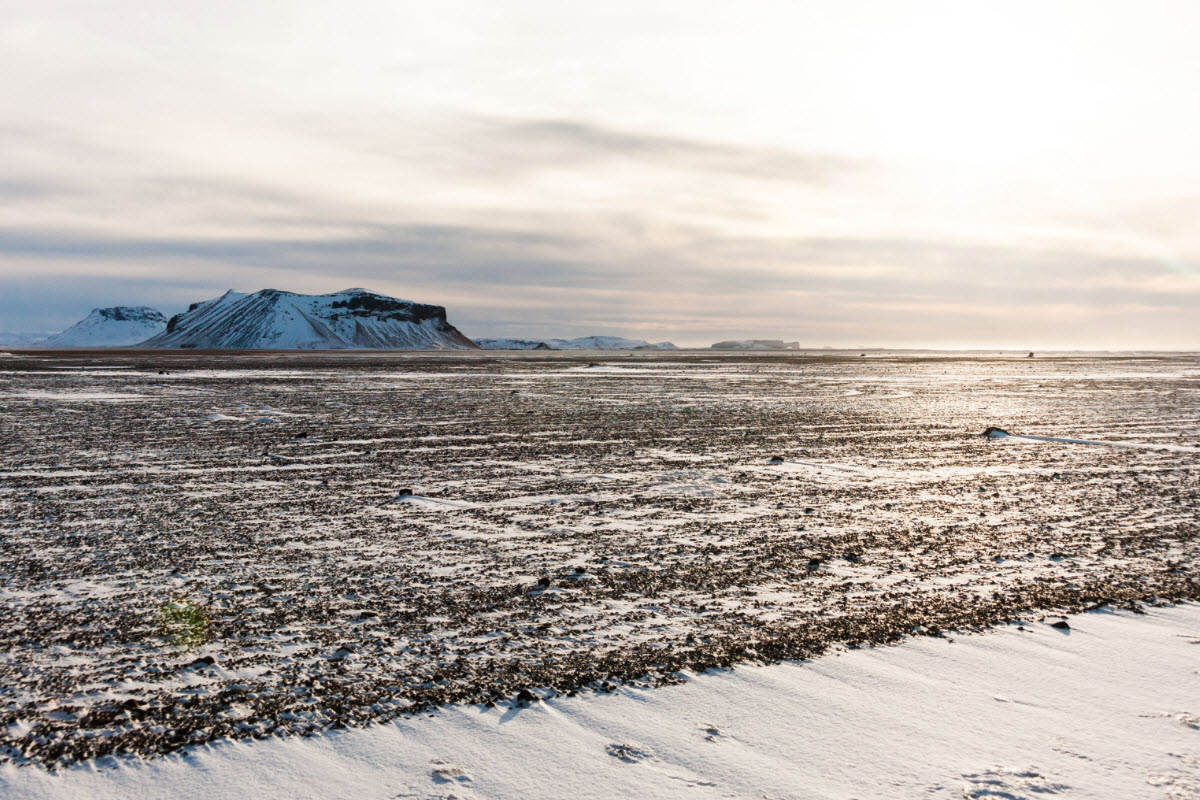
<point>183,623</point>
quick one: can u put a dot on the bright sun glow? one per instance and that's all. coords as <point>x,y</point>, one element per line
<point>968,84</point>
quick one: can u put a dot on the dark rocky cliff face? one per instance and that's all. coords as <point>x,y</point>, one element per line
<point>374,305</point>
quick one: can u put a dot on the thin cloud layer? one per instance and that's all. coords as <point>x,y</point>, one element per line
<point>513,147</point>
<point>540,283</point>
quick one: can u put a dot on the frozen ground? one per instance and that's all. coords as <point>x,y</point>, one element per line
<point>225,551</point>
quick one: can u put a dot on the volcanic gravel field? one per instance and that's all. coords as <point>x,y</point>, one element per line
<point>197,546</point>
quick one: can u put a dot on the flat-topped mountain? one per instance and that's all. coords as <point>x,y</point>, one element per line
<point>120,326</point>
<point>582,343</point>
<point>354,319</point>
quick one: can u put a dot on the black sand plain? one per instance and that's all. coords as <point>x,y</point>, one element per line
<point>197,546</point>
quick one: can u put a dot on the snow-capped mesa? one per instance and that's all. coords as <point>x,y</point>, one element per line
<point>757,344</point>
<point>121,326</point>
<point>582,343</point>
<point>354,319</point>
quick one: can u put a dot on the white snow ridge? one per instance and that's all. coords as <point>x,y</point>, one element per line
<point>354,319</point>
<point>120,326</point>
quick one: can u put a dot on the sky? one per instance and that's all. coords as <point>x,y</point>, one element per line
<point>851,173</point>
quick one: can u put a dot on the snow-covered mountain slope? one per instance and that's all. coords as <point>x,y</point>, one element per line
<point>121,326</point>
<point>582,343</point>
<point>354,319</point>
<point>757,344</point>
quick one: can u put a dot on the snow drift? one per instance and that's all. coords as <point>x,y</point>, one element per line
<point>1029,712</point>
<point>354,319</point>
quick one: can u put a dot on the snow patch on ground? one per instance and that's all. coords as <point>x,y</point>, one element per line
<point>1108,711</point>
<point>72,396</point>
<point>1127,445</point>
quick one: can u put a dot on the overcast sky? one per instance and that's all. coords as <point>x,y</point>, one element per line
<point>953,174</point>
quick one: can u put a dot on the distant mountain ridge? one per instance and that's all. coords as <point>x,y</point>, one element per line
<point>271,319</point>
<point>119,326</point>
<point>582,343</point>
<point>756,344</point>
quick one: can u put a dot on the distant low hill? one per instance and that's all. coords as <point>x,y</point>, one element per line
<point>11,339</point>
<point>120,326</point>
<point>354,319</point>
<point>756,344</point>
<point>582,343</point>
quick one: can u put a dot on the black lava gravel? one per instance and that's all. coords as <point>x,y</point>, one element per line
<point>198,546</point>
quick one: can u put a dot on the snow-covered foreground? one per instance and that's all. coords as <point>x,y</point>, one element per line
<point>1107,709</point>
